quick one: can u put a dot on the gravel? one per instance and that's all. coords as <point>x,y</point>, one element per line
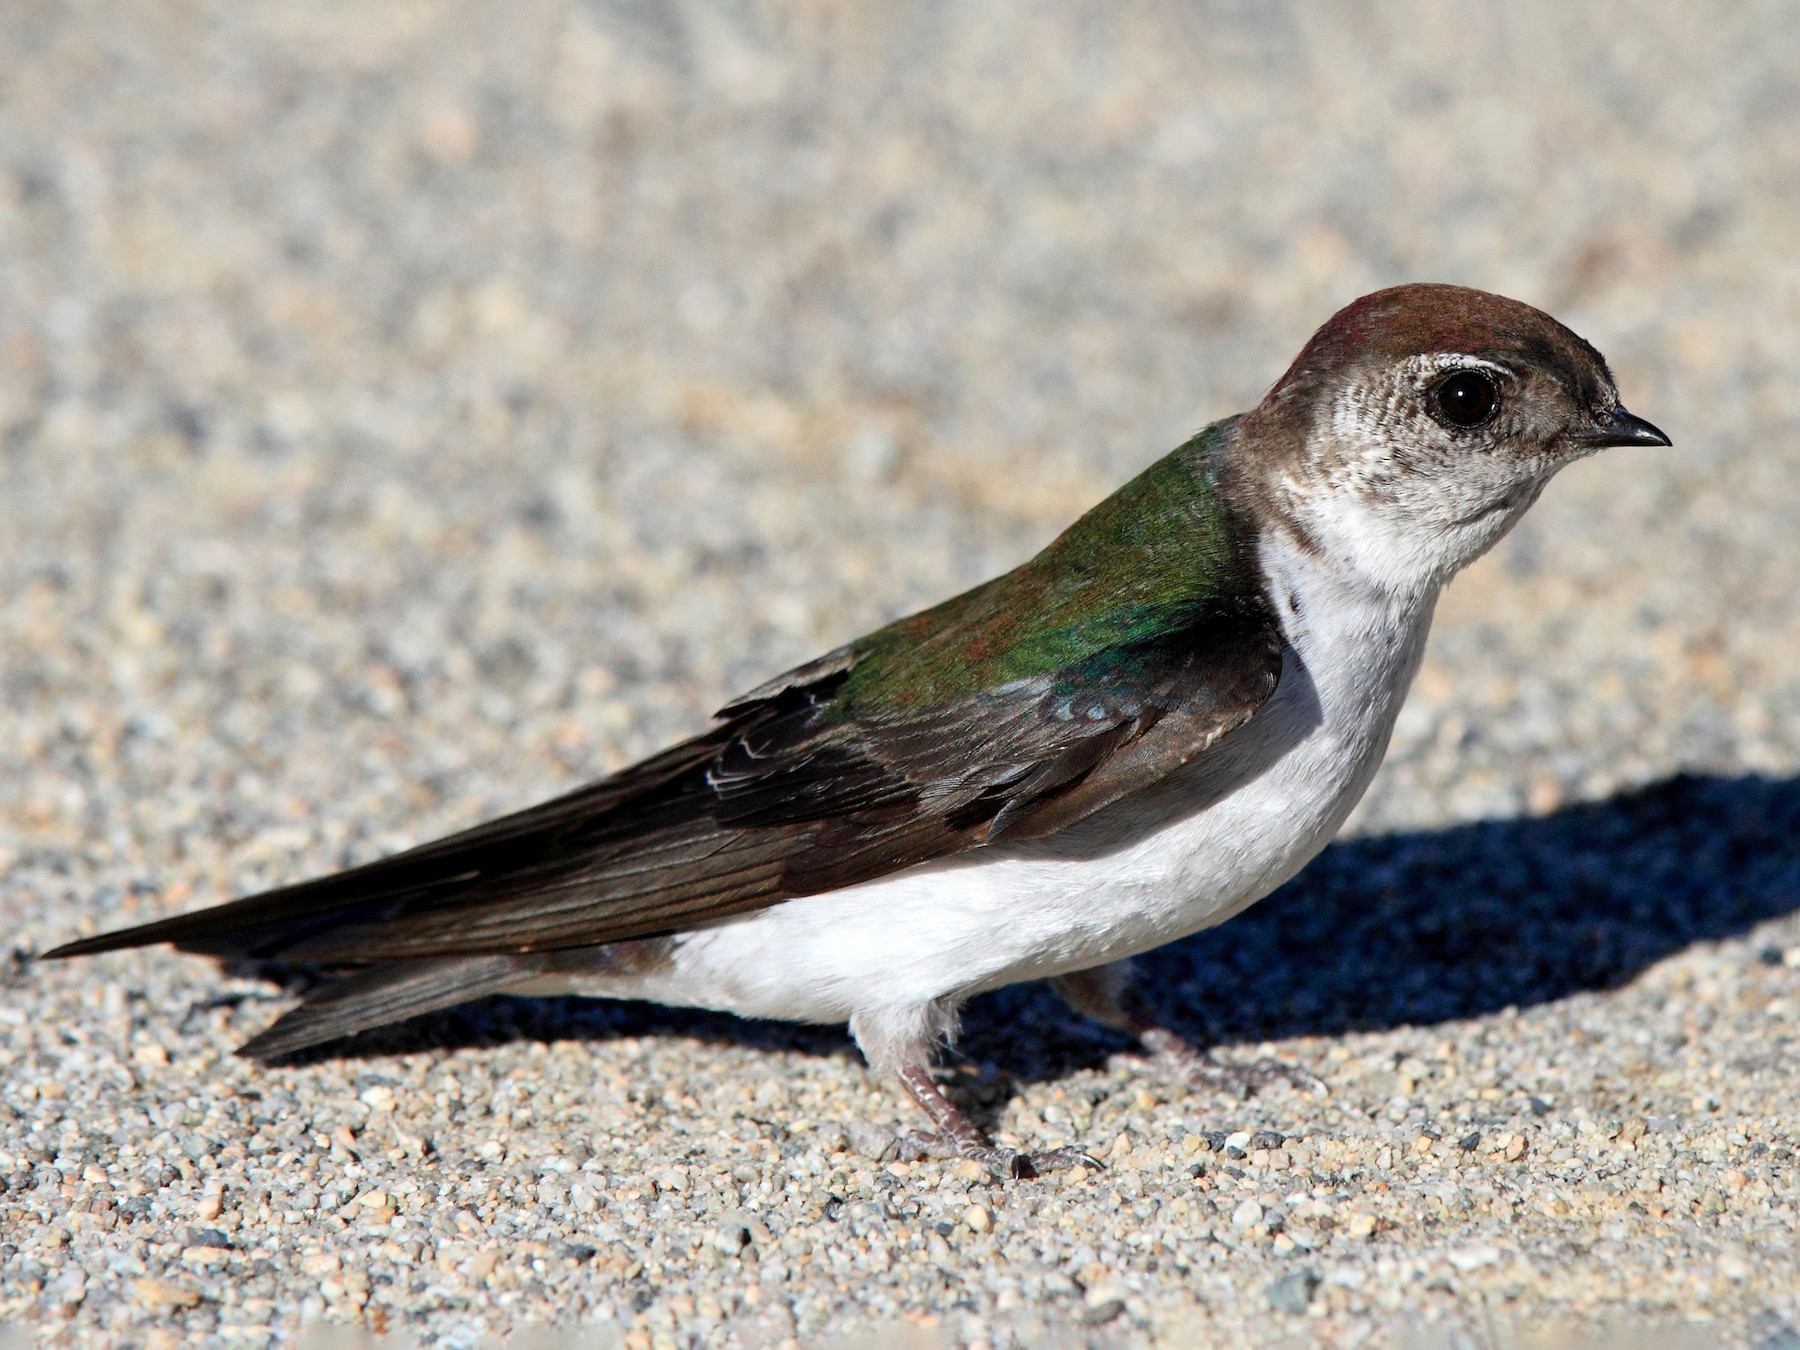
<point>409,411</point>
<point>1293,1292</point>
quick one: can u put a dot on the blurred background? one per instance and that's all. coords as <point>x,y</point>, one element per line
<point>409,410</point>
<point>421,401</point>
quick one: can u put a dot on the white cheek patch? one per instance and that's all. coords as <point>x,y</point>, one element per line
<point>1421,514</point>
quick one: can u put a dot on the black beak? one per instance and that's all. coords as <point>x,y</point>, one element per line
<point>1615,426</point>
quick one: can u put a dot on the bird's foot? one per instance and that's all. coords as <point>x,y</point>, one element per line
<point>1004,1164</point>
<point>1242,1080</point>
<point>957,1136</point>
<point>1246,1080</point>
<point>1105,994</point>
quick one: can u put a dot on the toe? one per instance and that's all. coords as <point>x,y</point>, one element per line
<point>916,1146</point>
<point>1274,1071</point>
<point>1060,1160</point>
<point>1246,1080</point>
<point>1007,1164</point>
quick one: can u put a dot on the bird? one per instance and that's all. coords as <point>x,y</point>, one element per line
<point>1134,735</point>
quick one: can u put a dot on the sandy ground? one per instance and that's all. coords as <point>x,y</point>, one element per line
<point>408,411</point>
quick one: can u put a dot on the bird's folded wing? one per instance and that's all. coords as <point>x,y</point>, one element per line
<point>796,792</point>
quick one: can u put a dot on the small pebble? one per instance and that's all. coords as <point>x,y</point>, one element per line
<point>155,1293</point>
<point>1293,1292</point>
<point>1100,1305</point>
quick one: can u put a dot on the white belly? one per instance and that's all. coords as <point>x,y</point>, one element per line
<point>1189,853</point>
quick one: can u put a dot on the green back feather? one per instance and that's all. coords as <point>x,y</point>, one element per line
<point>1151,559</point>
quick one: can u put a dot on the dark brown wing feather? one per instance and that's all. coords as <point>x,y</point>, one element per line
<point>786,797</point>
<point>387,993</point>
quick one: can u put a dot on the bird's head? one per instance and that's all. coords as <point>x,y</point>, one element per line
<point>1420,422</point>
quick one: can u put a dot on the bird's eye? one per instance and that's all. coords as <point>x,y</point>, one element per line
<point>1466,398</point>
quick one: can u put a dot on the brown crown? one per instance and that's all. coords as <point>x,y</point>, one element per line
<point>1428,318</point>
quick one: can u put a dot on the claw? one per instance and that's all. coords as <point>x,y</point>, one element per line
<point>1246,1080</point>
<point>1005,1164</point>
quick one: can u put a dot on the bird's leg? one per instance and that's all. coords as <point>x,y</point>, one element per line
<point>900,1040</point>
<point>959,1137</point>
<point>1106,994</point>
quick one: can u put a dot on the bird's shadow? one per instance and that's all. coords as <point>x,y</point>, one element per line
<point>1411,928</point>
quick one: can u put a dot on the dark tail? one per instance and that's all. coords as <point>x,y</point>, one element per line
<point>390,993</point>
<point>629,856</point>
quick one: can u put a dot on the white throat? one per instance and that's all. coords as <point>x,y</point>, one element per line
<point>1356,625</point>
<point>1407,527</point>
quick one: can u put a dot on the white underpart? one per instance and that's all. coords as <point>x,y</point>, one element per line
<point>894,957</point>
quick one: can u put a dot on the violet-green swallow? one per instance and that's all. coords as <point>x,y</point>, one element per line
<point>1141,731</point>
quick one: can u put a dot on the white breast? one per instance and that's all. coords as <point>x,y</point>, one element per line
<point>1194,851</point>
